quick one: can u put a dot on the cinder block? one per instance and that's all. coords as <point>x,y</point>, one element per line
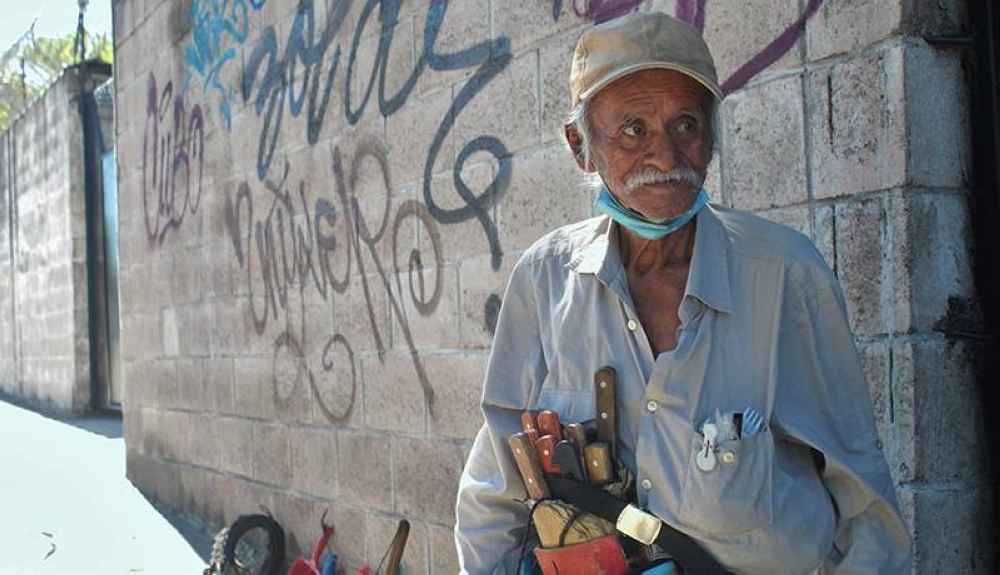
<point>444,557</point>
<point>507,108</point>
<point>845,25</point>
<point>271,454</point>
<point>861,266</point>
<point>796,217</point>
<point>236,449</point>
<point>469,237</point>
<point>421,467</point>
<point>176,434</point>
<point>205,440</point>
<point>764,163</point>
<point>555,59</point>
<point>462,26</point>
<point>300,518</point>
<point>877,361</point>
<point>171,336</point>
<point>314,461</point>
<point>756,25</point>
<point>527,22</point>
<point>217,375</point>
<point>411,131</point>
<point>855,128</point>
<point>394,398</point>
<point>253,388</point>
<point>350,537</point>
<point>946,537</point>
<point>379,533</point>
<point>482,289</point>
<point>427,314</point>
<point>363,317</point>
<point>142,336</point>
<point>937,408</point>
<point>824,237</point>
<point>458,382</point>
<point>937,119</point>
<point>363,471</point>
<point>546,192</point>
<point>290,390</point>
<point>934,287</point>
<point>190,385</point>
<point>338,394</point>
<point>197,324</point>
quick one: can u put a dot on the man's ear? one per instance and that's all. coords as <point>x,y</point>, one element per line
<point>575,141</point>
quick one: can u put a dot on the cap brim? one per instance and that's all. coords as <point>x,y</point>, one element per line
<point>712,86</point>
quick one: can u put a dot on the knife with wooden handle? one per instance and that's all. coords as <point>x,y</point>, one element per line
<point>527,463</point>
<point>529,419</point>
<point>546,448</point>
<point>548,424</point>
<point>606,403</point>
<point>600,471</point>
<point>578,435</point>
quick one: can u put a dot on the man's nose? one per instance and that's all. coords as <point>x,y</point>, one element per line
<point>662,152</point>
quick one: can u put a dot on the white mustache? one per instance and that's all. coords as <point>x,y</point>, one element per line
<point>651,175</point>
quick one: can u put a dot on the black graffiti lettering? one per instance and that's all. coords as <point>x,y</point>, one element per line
<point>173,156</point>
<point>287,237</point>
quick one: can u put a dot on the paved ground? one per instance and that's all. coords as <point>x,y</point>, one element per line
<point>67,509</point>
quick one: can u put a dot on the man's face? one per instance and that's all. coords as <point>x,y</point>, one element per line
<point>651,141</point>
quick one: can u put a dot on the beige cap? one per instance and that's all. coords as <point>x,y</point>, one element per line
<point>639,41</point>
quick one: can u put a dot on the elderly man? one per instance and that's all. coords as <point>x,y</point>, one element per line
<point>710,317</point>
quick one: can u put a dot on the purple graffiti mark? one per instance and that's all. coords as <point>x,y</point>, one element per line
<point>294,251</point>
<point>597,10</point>
<point>172,160</point>
<point>692,11</point>
<point>773,51</point>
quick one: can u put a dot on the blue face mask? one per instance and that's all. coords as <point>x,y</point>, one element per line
<point>608,205</point>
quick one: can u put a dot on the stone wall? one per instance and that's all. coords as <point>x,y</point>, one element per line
<point>320,203</point>
<point>44,341</point>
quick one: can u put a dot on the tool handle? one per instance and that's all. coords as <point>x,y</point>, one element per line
<point>527,463</point>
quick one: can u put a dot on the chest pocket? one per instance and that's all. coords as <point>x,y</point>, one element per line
<point>735,496</point>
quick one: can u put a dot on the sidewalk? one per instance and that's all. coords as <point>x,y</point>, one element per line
<point>66,507</point>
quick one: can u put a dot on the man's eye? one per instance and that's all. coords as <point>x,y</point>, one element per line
<point>633,129</point>
<point>687,127</point>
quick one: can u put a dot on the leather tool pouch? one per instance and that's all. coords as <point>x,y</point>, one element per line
<point>601,556</point>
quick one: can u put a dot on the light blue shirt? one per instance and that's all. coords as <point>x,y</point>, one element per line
<point>763,325</point>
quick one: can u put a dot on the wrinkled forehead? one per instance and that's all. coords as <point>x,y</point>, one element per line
<point>653,90</point>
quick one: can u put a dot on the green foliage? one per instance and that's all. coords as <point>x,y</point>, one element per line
<point>36,64</point>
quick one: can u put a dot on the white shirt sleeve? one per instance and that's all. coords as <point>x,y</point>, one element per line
<point>490,512</point>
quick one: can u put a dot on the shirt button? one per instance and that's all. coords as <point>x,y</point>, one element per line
<point>652,405</point>
<point>632,324</point>
<point>647,484</point>
<point>728,458</point>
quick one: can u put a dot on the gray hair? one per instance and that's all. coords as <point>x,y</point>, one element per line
<point>579,118</point>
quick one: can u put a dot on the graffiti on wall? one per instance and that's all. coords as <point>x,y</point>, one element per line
<point>285,243</point>
<point>285,248</point>
<point>695,12</point>
<point>173,154</point>
<point>218,29</point>
<point>301,72</point>
<point>596,10</point>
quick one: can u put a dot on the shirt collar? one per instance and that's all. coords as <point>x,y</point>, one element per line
<point>708,277</point>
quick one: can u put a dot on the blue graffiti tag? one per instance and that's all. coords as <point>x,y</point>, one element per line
<point>214,22</point>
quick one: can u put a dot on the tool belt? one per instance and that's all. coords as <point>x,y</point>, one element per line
<point>582,498</point>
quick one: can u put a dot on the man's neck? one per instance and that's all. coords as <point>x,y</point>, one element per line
<point>643,256</point>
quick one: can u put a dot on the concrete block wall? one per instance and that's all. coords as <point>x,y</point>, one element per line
<point>43,281</point>
<point>318,216</point>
